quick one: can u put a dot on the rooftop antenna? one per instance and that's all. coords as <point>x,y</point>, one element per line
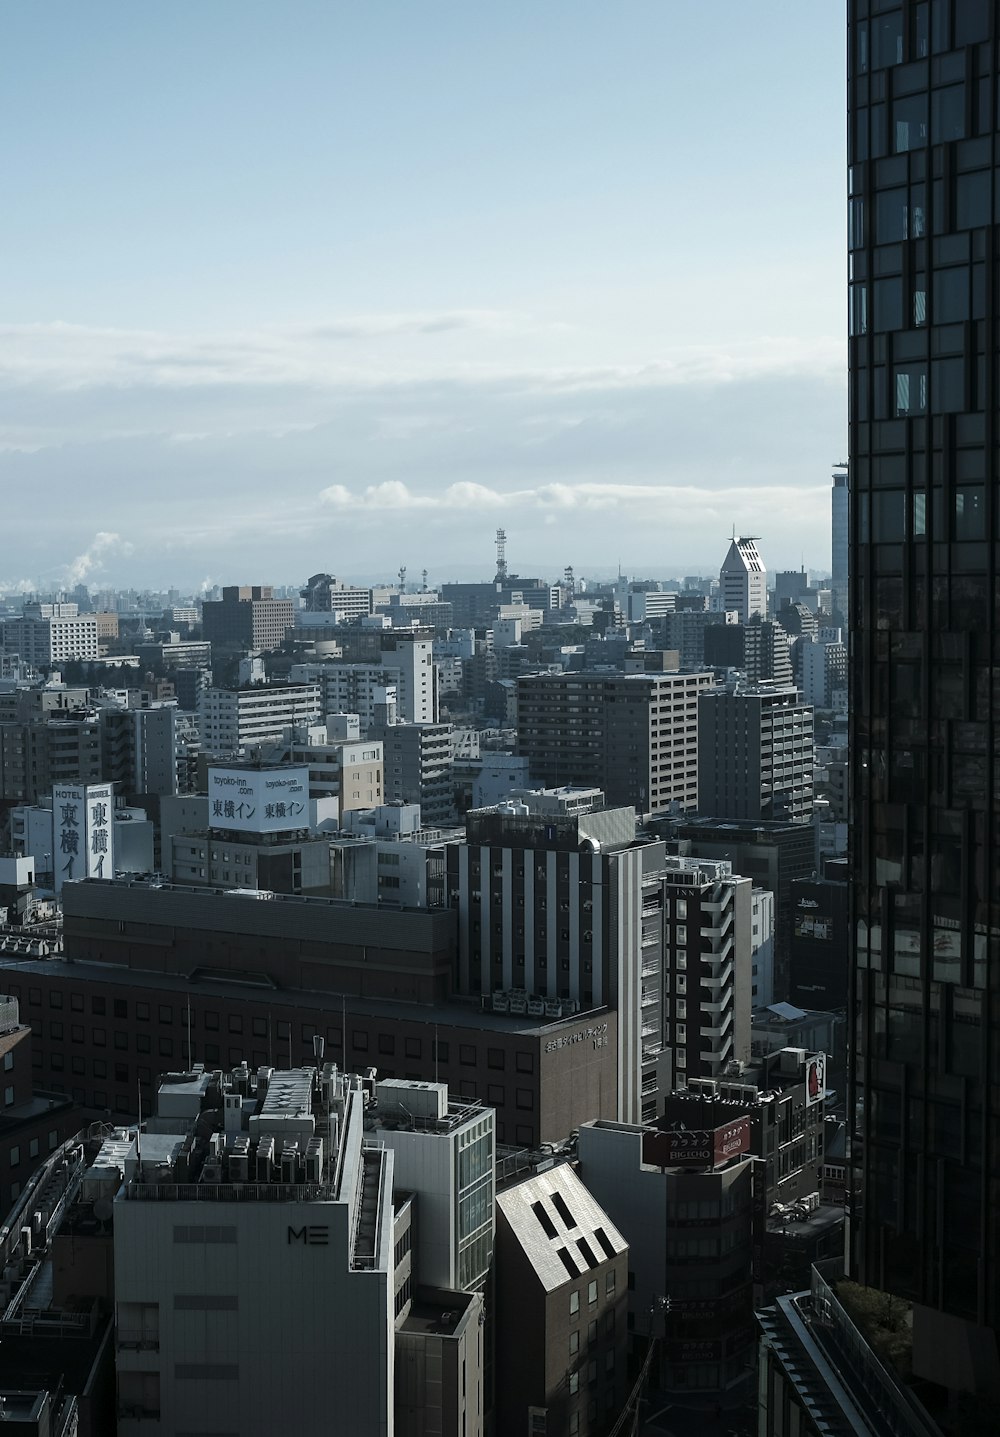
<point>501,577</point>
<point>402,578</point>
<point>424,577</point>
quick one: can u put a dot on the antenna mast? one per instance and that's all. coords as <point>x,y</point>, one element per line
<point>501,577</point>
<point>402,578</point>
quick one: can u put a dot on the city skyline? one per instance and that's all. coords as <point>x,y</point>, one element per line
<point>415,278</point>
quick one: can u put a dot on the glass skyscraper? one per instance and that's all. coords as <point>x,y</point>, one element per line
<point>924,202</point>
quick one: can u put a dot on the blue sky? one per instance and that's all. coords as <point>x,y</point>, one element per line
<point>343,286</point>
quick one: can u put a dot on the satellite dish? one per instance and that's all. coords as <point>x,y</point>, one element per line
<point>103,1209</point>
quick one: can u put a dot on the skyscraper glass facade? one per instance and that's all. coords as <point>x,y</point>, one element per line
<point>924,273</point>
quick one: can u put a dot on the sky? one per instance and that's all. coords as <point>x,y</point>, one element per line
<point>339,286</point>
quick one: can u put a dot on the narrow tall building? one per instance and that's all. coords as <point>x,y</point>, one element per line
<point>743,579</point>
<point>925,702</point>
<point>840,541</point>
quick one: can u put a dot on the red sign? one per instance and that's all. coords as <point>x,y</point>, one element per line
<point>732,1140</point>
<point>696,1147</point>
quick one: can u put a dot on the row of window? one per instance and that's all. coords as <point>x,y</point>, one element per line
<point>386,1043</point>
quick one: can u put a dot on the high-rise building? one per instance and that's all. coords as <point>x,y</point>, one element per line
<point>925,644</point>
<point>249,617</point>
<point>840,546</point>
<point>755,753</point>
<point>634,736</point>
<point>743,580</point>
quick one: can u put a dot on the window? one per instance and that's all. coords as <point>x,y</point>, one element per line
<point>76,1002</point>
<point>166,1047</point>
<point>8,1097</point>
<point>467,1054</point>
<point>611,1280</point>
<point>142,1012</point>
<point>413,1048</point>
<point>165,1014</point>
<point>359,1041</point>
<point>574,1343</point>
<point>99,1037</point>
<point>212,1022</point>
<point>100,1068</point>
<point>260,1027</point>
<point>120,1008</point>
<point>235,1023</point>
<point>524,1099</point>
<point>592,1291</point>
<point>98,1006</point>
<point>574,1382</point>
<point>121,1041</point>
<point>15,1155</point>
<point>387,1045</point>
<point>55,1000</point>
<point>574,1304</point>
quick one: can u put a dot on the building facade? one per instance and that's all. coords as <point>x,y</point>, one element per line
<point>634,736</point>
<point>755,754</point>
<point>247,617</point>
<point>925,644</point>
<point>743,580</point>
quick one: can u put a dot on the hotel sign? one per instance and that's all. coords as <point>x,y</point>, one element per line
<point>82,832</point>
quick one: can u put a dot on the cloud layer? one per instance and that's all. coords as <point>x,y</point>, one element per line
<point>360,443</point>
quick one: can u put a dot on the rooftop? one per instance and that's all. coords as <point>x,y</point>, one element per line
<point>562,1229</point>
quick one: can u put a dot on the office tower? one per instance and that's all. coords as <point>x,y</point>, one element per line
<point>755,753</point>
<point>248,618</point>
<point>840,542</point>
<point>560,907</point>
<point>743,580</point>
<point>925,643</point>
<point>634,736</point>
<point>556,911</point>
<point>265,1258</point>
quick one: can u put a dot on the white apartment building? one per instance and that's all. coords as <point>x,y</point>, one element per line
<point>230,719</point>
<point>49,634</point>
<point>707,966</point>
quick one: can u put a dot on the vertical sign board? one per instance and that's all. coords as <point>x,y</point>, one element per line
<point>82,832</point>
<point>815,1078</point>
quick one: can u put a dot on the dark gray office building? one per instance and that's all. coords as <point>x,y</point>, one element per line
<point>924,200</point>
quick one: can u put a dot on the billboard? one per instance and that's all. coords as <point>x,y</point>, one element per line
<point>696,1147</point>
<point>258,800</point>
<point>83,832</point>
<point>815,1078</point>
